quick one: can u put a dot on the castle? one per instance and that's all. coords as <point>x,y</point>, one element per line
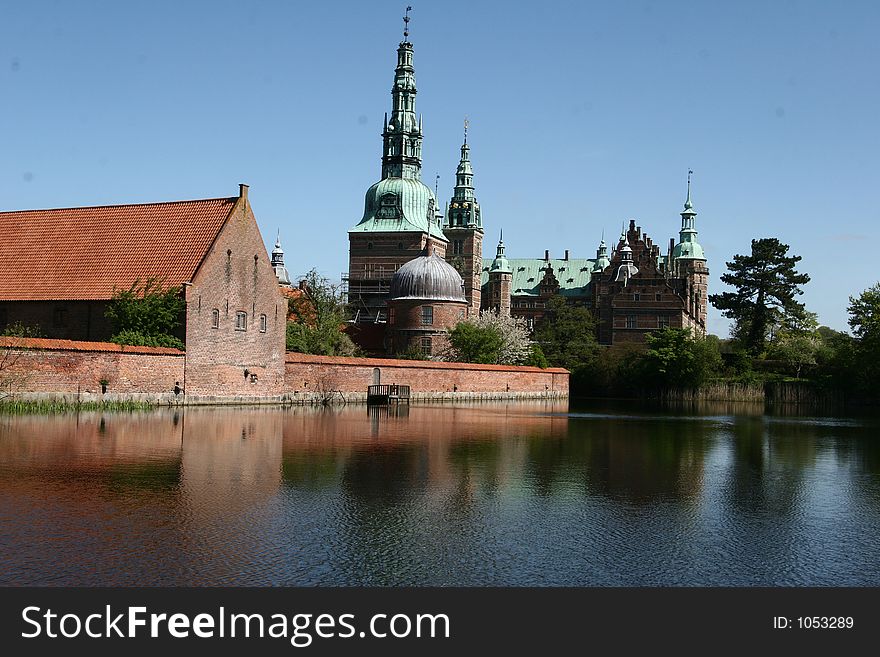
<point>415,271</point>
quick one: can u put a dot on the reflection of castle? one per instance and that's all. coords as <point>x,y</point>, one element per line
<point>632,290</point>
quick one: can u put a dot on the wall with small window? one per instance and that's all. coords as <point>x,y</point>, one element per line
<point>236,315</point>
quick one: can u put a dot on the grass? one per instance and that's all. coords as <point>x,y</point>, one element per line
<point>23,407</point>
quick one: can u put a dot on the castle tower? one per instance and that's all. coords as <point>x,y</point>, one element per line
<point>500,282</point>
<point>400,211</point>
<point>602,259</point>
<point>689,263</point>
<point>464,229</point>
<point>278,263</point>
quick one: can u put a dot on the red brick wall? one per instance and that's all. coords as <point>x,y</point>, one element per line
<point>307,373</point>
<point>406,328</point>
<point>235,276</point>
<point>69,367</point>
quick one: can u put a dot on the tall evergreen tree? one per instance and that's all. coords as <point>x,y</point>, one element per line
<point>766,283</point>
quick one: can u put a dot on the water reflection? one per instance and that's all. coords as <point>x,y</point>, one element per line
<point>527,493</point>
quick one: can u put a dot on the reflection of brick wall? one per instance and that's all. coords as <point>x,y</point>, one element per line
<point>69,367</point>
<point>307,373</point>
<point>235,277</point>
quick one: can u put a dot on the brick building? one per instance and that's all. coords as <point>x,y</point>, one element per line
<point>427,297</point>
<point>401,220</point>
<point>59,269</point>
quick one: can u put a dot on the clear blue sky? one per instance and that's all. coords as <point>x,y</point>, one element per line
<point>583,115</point>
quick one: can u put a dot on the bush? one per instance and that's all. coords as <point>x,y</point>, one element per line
<point>137,339</point>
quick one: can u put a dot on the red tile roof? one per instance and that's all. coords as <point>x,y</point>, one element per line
<point>84,253</point>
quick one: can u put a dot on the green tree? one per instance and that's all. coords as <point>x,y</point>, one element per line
<point>676,359</point>
<point>499,339</point>
<point>316,319</point>
<point>864,319</point>
<point>147,315</point>
<point>470,343</point>
<point>797,349</point>
<point>766,284</point>
<point>537,358</point>
<point>567,334</point>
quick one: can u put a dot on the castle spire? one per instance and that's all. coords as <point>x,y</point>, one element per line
<point>500,264</point>
<point>278,262</point>
<point>402,134</point>
<point>688,247</point>
<point>687,203</point>
<point>465,210</point>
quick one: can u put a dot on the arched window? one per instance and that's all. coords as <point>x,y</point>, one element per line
<point>215,318</point>
<point>241,321</point>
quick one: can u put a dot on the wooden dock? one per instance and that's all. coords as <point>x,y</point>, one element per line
<point>387,394</point>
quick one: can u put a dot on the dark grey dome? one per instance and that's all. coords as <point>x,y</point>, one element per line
<point>428,277</point>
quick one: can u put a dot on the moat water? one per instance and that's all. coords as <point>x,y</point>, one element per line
<point>506,494</point>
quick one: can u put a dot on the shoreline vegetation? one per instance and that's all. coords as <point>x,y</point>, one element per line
<point>13,406</point>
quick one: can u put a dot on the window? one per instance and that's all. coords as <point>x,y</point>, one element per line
<point>215,318</point>
<point>264,324</point>
<point>457,247</point>
<point>427,315</point>
<point>241,321</point>
<point>662,321</point>
<point>658,297</point>
<point>637,297</point>
<point>426,345</point>
<point>630,321</point>
<point>391,315</point>
<point>59,317</point>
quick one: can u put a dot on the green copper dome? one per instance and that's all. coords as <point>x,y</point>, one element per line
<point>500,265</point>
<point>399,204</point>
<point>688,251</point>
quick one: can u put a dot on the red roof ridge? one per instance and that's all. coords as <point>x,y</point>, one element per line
<point>231,199</point>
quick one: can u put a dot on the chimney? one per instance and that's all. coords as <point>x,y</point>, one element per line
<point>566,255</point>
<point>242,190</point>
<point>546,255</point>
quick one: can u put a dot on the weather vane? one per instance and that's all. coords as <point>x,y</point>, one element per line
<point>465,129</point>
<point>436,184</point>
<point>406,22</point>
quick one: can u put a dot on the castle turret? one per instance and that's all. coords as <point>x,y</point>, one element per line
<point>500,281</point>
<point>278,263</point>
<point>689,263</point>
<point>602,259</point>
<point>464,229</point>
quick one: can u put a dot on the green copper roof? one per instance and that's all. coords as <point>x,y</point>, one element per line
<point>399,204</point>
<point>573,275</point>
<point>688,251</point>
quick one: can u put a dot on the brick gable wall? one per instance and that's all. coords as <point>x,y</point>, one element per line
<point>236,276</point>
